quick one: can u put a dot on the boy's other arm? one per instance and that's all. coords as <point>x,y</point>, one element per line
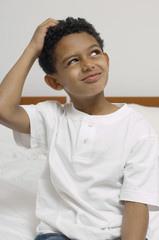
<point>11,114</point>
<point>135,221</point>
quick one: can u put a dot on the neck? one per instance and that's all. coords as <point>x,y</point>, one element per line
<point>96,105</point>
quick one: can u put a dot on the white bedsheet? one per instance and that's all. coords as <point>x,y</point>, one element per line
<point>16,213</point>
<point>20,169</point>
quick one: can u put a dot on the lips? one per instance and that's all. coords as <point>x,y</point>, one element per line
<point>92,77</point>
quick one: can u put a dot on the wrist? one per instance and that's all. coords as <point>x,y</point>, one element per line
<point>32,52</point>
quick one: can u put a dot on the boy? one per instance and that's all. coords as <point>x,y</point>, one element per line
<point>102,159</point>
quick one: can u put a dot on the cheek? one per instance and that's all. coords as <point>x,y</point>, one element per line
<point>69,78</point>
<point>72,73</point>
<point>104,63</point>
<point>105,68</point>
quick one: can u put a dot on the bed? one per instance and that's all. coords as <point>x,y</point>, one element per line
<point>20,169</point>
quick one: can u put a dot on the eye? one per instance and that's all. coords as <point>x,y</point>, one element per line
<point>95,52</point>
<point>72,61</point>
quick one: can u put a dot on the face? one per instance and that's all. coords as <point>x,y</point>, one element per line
<point>82,67</point>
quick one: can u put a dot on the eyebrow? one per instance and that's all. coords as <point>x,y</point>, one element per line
<point>75,55</point>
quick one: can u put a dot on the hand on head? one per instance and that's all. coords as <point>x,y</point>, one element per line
<point>37,41</point>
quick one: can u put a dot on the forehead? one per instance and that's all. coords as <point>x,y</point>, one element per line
<point>74,43</point>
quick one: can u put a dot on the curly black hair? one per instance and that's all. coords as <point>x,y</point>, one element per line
<point>47,59</point>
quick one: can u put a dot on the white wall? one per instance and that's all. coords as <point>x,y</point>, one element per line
<point>130,29</point>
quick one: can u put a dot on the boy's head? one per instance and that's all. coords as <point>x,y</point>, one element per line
<point>47,59</point>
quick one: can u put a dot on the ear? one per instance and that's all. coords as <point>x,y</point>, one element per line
<point>52,82</point>
<point>107,59</point>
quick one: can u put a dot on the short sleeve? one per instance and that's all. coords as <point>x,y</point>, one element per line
<point>141,176</point>
<point>43,121</point>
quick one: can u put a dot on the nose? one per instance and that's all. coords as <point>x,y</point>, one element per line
<point>87,64</point>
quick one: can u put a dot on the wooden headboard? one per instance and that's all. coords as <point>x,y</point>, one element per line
<point>145,101</point>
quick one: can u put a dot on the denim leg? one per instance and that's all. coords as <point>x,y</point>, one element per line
<point>51,236</point>
<point>55,236</point>
<point>120,239</point>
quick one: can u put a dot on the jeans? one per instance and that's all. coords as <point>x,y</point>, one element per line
<point>55,236</point>
<point>51,236</point>
<point>120,239</point>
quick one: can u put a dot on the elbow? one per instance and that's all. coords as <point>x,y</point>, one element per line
<point>4,117</point>
<point>5,114</point>
<point>2,113</point>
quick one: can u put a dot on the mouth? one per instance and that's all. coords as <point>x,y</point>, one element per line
<point>92,77</point>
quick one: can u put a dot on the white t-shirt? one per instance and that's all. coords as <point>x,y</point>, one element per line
<point>94,163</point>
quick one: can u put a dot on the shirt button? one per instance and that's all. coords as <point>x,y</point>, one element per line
<point>89,125</point>
<point>85,141</point>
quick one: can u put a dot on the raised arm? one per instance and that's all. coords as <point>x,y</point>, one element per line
<point>11,114</point>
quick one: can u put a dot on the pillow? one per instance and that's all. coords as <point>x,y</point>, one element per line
<point>150,113</point>
<point>20,166</point>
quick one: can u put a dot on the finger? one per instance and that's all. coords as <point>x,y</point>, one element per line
<point>49,22</point>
